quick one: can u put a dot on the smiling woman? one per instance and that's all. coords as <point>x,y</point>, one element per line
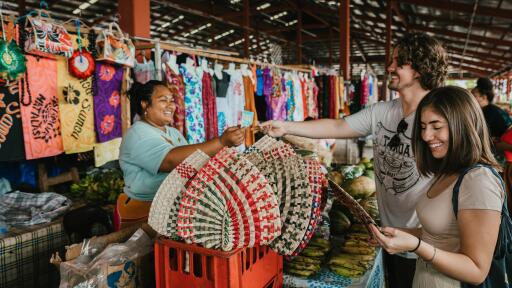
<point>152,148</point>
<point>460,211</point>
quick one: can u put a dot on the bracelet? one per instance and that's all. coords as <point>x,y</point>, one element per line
<point>433,256</point>
<point>417,246</point>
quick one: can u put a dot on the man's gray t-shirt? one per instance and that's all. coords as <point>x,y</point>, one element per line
<point>399,184</point>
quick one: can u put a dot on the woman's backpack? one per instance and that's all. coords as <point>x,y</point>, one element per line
<point>500,274</point>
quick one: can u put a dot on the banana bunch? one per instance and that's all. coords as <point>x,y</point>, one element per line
<point>310,259</point>
<point>356,254</point>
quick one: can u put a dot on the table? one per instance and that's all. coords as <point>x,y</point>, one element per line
<point>373,278</point>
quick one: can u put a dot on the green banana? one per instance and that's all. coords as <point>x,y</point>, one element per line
<point>346,272</point>
<point>358,250</point>
<point>308,260</point>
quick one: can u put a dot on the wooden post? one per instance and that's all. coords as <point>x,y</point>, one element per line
<point>134,19</point>
<point>247,40</point>
<point>299,36</point>
<point>344,15</point>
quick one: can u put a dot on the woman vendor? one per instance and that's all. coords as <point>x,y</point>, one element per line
<point>151,148</point>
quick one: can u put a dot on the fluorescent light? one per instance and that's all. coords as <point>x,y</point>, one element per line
<point>277,16</point>
<point>92,1</point>
<point>186,34</point>
<point>84,6</point>
<point>76,11</point>
<point>178,19</point>
<point>263,6</point>
<point>166,24</point>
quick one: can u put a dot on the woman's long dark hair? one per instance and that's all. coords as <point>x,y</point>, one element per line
<point>469,136</point>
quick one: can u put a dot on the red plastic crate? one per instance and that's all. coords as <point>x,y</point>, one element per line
<point>257,267</point>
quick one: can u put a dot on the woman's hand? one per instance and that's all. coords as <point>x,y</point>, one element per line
<point>233,136</point>
<point>274,128</point>
<point>394,240</point>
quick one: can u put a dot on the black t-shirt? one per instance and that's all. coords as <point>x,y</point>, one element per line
<point>495,121</point>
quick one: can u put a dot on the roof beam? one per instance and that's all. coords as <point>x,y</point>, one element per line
<point>459,22</point>
<point>200,10</point>
<point>460,7</point>
<point>473,70</point>
<point>476,63</point>
<point>472,53</point>
<point>462,35</point>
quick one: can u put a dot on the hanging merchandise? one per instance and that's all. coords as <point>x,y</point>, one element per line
<point>312,98</point>
<point>144,69</point>
<point>12,60</point>
<point>81,64</point>
<point>45,37</point>
<point>235,98</point>
<point>11,131</point>
<point>209,108</point>
<point>106,152</point>
<point>250,105</point>
<point>277,108</point>
<point>175,84</point>
<point>76,111</point>
<point>40,109</point>
<point>107,101</point>
<point>115,47</point>
<point>194,121</point>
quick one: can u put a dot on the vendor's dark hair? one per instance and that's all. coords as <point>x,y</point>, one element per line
<point>485,87</point>
<point>426,56</point>
<point>142,92</point>
<point>469,136</point>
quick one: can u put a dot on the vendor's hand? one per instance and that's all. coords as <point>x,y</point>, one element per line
<point>233,136</point>
<point>274,128</point>
<point>394,240</point>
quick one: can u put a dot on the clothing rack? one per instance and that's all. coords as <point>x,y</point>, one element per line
<point>208,53</point>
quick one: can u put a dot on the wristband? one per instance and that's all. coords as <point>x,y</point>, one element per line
<point>417,246</point>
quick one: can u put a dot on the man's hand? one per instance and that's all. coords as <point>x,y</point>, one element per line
<point>274,128</point>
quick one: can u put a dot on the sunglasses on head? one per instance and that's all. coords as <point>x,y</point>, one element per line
<point>401,128</point>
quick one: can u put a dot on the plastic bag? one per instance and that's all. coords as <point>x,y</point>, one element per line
<point>116,266</point>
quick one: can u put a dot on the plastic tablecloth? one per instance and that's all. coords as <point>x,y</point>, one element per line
<point>373,278</point>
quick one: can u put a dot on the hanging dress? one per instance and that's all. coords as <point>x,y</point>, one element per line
<point>40,109</point>
<point>235,98</point>
<point>11,131</point>
<point>278,99</point>
<point>175,83</point>
<point>107,101</point>
<point>298,114</point>
<point>290,98</point>
<point>194,116</point>
<point>312,95</point>
<point>250,105</point>
<point>209,108</point>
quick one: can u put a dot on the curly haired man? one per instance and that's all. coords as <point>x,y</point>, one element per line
<point>419,64</point>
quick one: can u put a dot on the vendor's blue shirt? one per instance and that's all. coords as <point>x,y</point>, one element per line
<point>142,151</point>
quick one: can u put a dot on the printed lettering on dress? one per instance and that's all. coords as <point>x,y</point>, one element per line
<point>11,110</point>
<point>44,118</point>
<point>395,167</point>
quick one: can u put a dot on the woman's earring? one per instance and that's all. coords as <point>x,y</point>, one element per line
<point>145,113</point>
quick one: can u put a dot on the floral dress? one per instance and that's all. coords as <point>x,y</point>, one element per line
<point>194,117</point>
<point>177,87</point>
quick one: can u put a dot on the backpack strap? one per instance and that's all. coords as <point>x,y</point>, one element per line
<point>455,196</point>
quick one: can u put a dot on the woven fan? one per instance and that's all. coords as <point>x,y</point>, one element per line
<point>352,205</point>
<point>261,145</point>
<point>295,206</point>
<point>214,182</point>
<point>316,180</point>
<point>164,208</point>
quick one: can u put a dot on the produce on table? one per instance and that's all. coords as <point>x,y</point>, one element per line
<point>310,259</point>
